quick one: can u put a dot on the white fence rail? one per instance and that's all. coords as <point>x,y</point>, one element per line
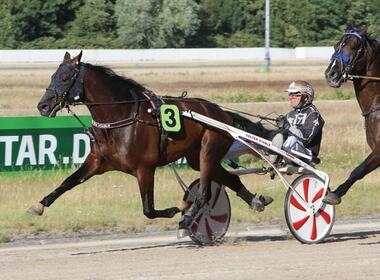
<point>169,55</point>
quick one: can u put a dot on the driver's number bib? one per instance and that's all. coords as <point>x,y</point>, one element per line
<point>170,117</point>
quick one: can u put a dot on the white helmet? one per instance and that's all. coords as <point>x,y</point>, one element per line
<point>305,88</point>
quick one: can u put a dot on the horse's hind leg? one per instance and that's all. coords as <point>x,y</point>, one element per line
<point>145,178</point>
<point>223,177</point>
<point>88,169</point>
<point>211,169</point>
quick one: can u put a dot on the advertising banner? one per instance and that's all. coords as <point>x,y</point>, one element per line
<point>39,143</point>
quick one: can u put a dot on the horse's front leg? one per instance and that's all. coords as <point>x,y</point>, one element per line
<point>88,169</point>
<point>368,165</point>
<point>145,178</point>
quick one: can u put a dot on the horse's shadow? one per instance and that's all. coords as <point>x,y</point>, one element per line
<point>333,238</point>
<point>342,237</point>
<point>181,244</point>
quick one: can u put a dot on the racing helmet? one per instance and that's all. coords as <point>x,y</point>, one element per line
<point>304,88</point>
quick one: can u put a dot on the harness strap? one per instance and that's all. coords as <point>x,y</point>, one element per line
<point>372,110</point>
<point>124,122</point>
<point>156,102</point>
<point>86,129</point>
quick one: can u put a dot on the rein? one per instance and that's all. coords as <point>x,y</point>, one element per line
<point>351,77</point>
<point>108,103</point>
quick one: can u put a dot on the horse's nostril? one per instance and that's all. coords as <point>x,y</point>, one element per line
<point>43,107</point>
<point>332,74</point>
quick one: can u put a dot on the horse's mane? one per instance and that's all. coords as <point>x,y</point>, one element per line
<point>115,78</point>
<point>373,44</point>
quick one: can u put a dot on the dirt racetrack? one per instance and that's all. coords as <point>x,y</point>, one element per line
<point>351,252</point>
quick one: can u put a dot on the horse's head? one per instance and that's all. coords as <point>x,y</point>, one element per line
<point>66,86</point>
<point>348,51</point>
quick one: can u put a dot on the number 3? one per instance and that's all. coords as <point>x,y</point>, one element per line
<point>170,117</point>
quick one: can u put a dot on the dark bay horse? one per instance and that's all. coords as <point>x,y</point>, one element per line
<point>126,136</point>
<point>357,57</point>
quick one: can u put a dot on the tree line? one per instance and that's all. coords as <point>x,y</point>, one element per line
<point>32,24</point>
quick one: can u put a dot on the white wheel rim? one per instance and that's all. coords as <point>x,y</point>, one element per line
<point>212,221</point>
<point>307,225</point>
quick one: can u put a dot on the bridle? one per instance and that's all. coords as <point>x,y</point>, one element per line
<point>348,63</point>
<point>70,92</point>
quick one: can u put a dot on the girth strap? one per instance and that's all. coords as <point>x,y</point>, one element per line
<point>156,102</point>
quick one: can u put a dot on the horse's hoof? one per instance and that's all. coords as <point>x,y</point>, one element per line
<point>36,210</point>
<point>182,233</point>
<point>265,199</point>
<point>185,222</point>
<point>257,204</point>
<point>332,199</point>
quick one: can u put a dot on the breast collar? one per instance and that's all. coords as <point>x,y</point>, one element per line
<point>370,111</point>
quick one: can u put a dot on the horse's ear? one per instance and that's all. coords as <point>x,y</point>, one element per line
<point>66,57</point>
<point>77,59</point>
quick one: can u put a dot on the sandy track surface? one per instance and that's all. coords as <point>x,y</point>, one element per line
<point>351,252</point>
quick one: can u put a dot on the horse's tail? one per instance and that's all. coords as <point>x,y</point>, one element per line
<point>245,124</point>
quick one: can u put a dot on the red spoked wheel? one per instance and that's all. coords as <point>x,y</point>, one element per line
<point>212,221</point>
<point>307,223</point>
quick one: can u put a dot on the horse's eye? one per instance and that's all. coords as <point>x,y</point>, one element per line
<point>64,77</point>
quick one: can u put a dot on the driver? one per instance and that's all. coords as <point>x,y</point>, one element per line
<point>304,123</point>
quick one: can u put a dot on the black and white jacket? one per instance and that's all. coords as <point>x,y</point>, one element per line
<point>306,124</point>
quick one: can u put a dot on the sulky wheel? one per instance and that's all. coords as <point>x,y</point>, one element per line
<point>308,224</point>
<point>212,221</point>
